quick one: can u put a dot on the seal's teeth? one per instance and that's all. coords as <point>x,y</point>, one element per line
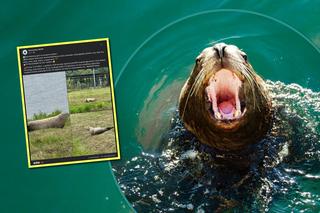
<point>244,111</point>
<point>237,114</point>
<point>209,98</point>
<point>218,115</point>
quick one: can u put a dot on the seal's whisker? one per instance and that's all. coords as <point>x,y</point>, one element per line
<point>189,94</point>
<point>256,85</point>
<point>187,100</point>
<point>235,59</point>
<point>197,81</point>
<point>249,75</point>
<point>251,83</point>
<point>195,87</point>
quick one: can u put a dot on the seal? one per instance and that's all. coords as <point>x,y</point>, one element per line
<point>88,100</point>
<point>57,121</point>
<point>98,130</point>
<point>224,102</point>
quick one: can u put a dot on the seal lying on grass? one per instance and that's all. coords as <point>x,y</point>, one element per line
<point>98,130</point>
<point>88,100</point>
<point>57,121</point>
<point>224,103</point>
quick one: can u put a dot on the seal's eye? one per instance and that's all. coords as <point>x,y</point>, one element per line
<point>198,60</point>
<point>245,57</point>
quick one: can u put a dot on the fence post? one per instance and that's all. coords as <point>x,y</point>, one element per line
<point>94,78</point>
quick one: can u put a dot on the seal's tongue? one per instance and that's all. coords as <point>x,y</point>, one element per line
<point>226,107</point>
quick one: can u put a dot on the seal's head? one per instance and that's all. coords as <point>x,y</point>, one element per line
<point>224,102</point>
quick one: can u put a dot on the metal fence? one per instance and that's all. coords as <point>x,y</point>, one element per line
<point>83,81</point>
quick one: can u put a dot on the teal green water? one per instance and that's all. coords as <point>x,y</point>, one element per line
<point>91,187</point>
<point>151,82</point>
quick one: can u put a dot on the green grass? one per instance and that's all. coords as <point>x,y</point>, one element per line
<point>77,98</point>
<point>74,139</point>
<point>83,142</point>
<point>51,143</point>
<point>43,115</point>
<point>90,107</point>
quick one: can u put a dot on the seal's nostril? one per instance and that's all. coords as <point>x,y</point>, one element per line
<point>220,49</point>
<point>217,50</point>
<point>223,50</point>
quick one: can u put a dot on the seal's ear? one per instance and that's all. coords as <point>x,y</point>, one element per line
<point>195,71</point>
<point>198,65</point>
<point>244,56</point>
<point>198,59</point>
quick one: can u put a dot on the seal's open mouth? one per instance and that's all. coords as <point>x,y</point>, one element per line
<point>223,96</point>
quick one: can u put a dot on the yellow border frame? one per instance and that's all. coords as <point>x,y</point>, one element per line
<point>112,96</point>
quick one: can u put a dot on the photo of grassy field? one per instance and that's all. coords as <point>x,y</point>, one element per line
<point>75,139</point>
<point>89,107</point>
<point>92,114</point>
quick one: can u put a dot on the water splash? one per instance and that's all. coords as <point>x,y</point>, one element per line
<point>280,173</point>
